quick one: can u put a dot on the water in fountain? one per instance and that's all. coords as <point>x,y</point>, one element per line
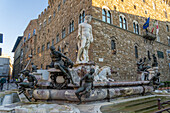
<point>10,98</point>
<point>7,99</point>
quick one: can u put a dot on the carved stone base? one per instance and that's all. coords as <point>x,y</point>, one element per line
<point>58,79</point>
<point>85,64</point>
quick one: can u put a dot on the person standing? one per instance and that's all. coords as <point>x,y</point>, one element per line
<point>2,81</point>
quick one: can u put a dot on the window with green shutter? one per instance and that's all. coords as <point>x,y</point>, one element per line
<point>160,54</point>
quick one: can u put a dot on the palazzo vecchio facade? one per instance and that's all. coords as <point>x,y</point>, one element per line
<point>118,33</point>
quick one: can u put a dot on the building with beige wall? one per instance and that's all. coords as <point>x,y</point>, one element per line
<point>28,43</point>
<point>5,67</point>
<point>117,31</point>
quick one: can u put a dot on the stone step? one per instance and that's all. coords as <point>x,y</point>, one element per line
<point>140,107</point>
<point>123,106</point>
<point>152,110</point>
<point>142,102</point>
<point>149,107</point>
<point>143,106</point>
<point>146,105</point>
<point>136,101</point>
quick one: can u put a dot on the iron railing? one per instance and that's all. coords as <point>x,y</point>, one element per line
<point>160,106</point>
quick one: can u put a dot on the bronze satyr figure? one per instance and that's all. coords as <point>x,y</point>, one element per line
<point>87,86</point>
<point>155,81</point>
<point>155,62</point>
<point>32,81</point>
<point>59,63</point>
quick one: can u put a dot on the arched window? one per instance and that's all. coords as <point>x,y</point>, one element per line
<point>70,30</point>
<point>136,51</point>
<point>49,19</point>
<point>45,22</point>
<point>71,26</point>
<point>167,28</point>
<point>52,42</point>
<point>29,35</point>
<point>40,26</point>
<point>113,46</point>
<point>106,15</point>
<point>63,33</point>
<point>48,45</point>
<point>168,40</point>
<point>57,38</point>
<point>82,17</point>
<point>103,15</point>
<point>121,22</point>
<point>124,23</point>
<point>34,32</point>
<point>24,39</point>
<point>135,27</point>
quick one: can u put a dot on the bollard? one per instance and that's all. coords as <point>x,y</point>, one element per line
<point>159,104</point>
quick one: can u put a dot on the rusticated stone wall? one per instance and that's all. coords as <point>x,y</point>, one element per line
<point>124,61</point>
<point>153,8</point>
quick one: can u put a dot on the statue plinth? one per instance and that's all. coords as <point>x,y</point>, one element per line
<point>84,64</point>
<point>57,79</point>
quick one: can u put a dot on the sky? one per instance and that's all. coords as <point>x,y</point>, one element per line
<point>15,15</point>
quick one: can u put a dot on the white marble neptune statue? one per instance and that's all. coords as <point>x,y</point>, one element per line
<point>85,37</point>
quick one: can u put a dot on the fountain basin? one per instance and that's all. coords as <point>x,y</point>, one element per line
<point>102,91</point>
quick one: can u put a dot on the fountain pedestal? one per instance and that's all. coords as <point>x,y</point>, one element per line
<point>58,79</point>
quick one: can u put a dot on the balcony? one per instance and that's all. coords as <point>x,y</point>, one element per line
<point>149,36</point>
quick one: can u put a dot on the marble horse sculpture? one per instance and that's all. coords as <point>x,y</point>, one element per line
<point>102,73</point>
